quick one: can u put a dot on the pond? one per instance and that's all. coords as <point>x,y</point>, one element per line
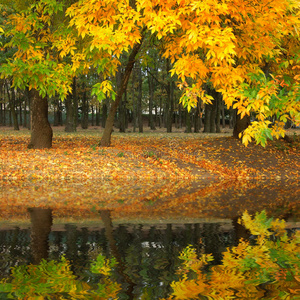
<point>143,225</point>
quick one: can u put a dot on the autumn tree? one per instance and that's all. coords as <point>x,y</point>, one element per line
<point>37,64</point>
<point>225,43</point>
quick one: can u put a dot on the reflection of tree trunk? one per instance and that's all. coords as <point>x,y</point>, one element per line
<point>106,218</point>
<point>41,134</point>
<point>41,222</point>
<point>240,232</point>
<point>71,241</point>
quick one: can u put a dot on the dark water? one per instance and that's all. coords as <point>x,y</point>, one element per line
<point>146,250</point>
<point>148,253</point>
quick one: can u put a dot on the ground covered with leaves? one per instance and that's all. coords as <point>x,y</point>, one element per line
<point>139,173</point>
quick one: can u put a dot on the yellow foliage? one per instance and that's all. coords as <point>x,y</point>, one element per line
<point>246,267</point>
<point>220,42</point>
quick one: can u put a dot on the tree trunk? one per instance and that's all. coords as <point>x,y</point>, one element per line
<point>41,134</point>
<point>70,114</point>
<point>12,105</point>
<point>98,115</point>
<point>207,117</point>
<point>104,113</point>
<point>20,111</point>
<point>71,104</point>
<point>85,108</point>
<point>218,112</point>
<point>151,101</point>
<point>139,101</point>
<point>12,100</point>
<point>197,118</point>
<point>188,122</point>
<point>170,98</point>
<point>106,137</point>
<point>240,125</point>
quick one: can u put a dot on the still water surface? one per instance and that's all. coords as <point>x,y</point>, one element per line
<point>146,237</point>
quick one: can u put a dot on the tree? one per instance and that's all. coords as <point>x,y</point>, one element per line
<point>225,43</point>
<point>36,63</point>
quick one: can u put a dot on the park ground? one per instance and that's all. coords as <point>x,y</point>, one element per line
<point>144,167</point>
<point>147,155</point>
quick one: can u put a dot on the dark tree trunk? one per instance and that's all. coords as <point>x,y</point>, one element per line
<point>207,117</point>
<point>41,222</point>
<point>93,116</point>
<point>121,267</point>
<point>139,101</point>
<point>20,111</point>
<point>70,114</point>
<point>58,120</point>
<point>218,112</point>
<point>197,118</point>
<point>98,115</point>
<point>41,134</point>
<point>106,137</point>
<point>170,100</point>
<point>71,103</point>
<point>188,122</point>
<point>85,109</point>
<point>13,110</point>
<point>223,114</point>
<point>240,125</point>
<point>12,106</point>
<point>151,101</point>
<point>213,114</point>
<point>134,101</point>
<point>1,104</point>
<point>1,114</point>
<point>232,117</point>
<point>104,113</point>
<point>122,106</point>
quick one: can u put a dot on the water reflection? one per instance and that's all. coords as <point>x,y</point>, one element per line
<point>143,224</point>
<point>147,254</point>
<point>139,200</point>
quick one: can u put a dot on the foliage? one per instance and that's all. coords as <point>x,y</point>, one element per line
<point>227,44</point>
<point>50,279</point>
<point>36,63</point>
<point>268,268</point>
<point>248,51</point>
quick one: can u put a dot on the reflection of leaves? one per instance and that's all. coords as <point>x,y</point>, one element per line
<point>53,278</point>
<point>268,269</point>
<point>103,265</point>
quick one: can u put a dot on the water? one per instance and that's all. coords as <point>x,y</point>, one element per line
<point>144,226</point>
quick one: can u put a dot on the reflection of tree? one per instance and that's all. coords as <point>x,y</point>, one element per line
<point>106,218</point>
<point>240,232</point>
<point>14,249</point>
<point>147,254</point>
<point>41,222</point>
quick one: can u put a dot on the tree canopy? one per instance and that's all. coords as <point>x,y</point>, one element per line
<point>246,50</point>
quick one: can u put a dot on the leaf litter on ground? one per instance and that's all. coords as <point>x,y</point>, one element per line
<point>142,176</point>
